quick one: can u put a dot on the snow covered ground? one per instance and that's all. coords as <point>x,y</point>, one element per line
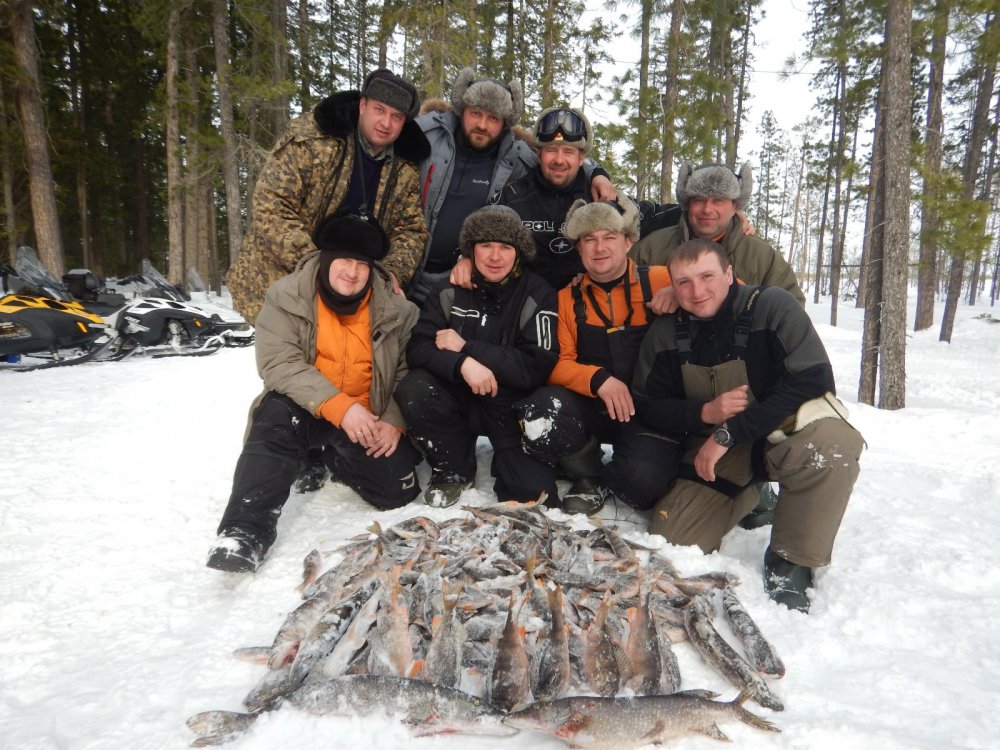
<point>113,632</point>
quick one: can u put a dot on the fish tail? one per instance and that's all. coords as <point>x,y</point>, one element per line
<point>217,723</point>
<point>750,718</point>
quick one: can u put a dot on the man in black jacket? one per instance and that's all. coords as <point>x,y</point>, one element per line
<point>740,377</point>
<point>562,137</point>
<point>473,354</point>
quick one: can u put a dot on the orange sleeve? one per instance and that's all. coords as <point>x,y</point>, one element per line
<point>568,372</point>
<point>334,409</point>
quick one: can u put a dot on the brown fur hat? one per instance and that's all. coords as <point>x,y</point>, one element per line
<point>496,224</point>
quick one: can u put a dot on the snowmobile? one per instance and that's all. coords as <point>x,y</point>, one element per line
<point>82,320</point>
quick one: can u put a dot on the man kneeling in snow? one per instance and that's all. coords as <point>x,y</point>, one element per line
<point>741,377</point>
<point>331,343</point>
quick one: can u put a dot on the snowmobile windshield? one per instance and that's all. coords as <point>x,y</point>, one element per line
<point>36,279</point>
<point>163,287</point>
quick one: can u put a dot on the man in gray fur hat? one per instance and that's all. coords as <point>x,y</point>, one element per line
<point>473,354</point>
<point>473,155</point>
<point>711,196</point>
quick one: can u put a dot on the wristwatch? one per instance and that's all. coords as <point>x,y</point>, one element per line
<point>723,437</point>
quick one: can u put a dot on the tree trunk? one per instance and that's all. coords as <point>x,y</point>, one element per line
<point>872,263</point>
<point>44,212</point>
<point>9,206</point>
<point>970,172</point>
<point>836,254</point>
<point>230,166</point>
<point>795,212</point>
<point>741,88</point>
<point>896,253</point>
<point>175,188</point>
<point>279,77</point>
<point>871,220</point>
<point>927,269</point>
<point>669,102</point>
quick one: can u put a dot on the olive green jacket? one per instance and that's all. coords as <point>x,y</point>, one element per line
<point>286,342</point>
<point>306,178</point>
<point>754,261</point>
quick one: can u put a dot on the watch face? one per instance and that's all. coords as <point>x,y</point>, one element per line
<point>722,437</point>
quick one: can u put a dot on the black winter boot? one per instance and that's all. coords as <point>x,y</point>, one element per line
<point>763,514</point>
<point>585,468</point>
<point>785,582</point>
<point>236,551</point>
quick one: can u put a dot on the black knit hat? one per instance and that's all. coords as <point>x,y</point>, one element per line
<point>347,235</point>
<point>389,88</point>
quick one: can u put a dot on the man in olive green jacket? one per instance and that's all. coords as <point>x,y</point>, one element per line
<point>355,150</point>
<point>710,196</point>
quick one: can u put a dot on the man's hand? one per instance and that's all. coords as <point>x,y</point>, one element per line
<point>479,377</point>
<point>664,301</point>
<point>360,425</point>
<point>396,288</point>
<point>618,399</point>
<point>448,339</point>
<point>726,405</point>
<point>601,189</point>
<point>461,274</point>
<point>385,442</point>
<point>707,457</point>
<point>748,227</point>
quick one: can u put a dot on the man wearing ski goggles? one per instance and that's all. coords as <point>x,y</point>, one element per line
<point>567,123</point>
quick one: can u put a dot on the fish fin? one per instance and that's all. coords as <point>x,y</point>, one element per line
<point>714,732</point>
<point>415,668</point>
<point>253,654</point>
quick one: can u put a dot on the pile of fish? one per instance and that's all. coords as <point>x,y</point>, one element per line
<point>501,620</point>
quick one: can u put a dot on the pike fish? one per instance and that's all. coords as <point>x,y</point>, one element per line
<point>760,652</point>
<point>621,723</point>
<point>424,708</point>
<point>717,652</point>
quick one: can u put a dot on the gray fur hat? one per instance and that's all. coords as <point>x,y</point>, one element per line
<point>621,215</point>
<point>496,224</point>
<point>487,94</point>
<point>584,144</point>
<point>714,181</point>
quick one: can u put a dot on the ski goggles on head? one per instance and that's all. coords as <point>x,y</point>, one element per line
<point>564,121</point>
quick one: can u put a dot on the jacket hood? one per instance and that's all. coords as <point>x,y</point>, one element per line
<point>337,116</point>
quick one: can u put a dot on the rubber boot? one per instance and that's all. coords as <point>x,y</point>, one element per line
<point>763,514</point>
<point>237,551</point>
<point>584,468</point>
<point>786,582</point>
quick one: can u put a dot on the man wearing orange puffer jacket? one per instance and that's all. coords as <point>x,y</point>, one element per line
<point>330,342</point>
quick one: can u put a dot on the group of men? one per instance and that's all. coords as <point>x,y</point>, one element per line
<point>556,317</point>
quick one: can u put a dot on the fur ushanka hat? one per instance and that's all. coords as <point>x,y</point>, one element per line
<point>487,94</point>
<point>496,224</point>
<point>714,181</point>
<point>620,215</point>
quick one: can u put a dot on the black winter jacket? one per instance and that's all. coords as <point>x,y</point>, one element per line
<point>786,363</point>
<point>509,328</point>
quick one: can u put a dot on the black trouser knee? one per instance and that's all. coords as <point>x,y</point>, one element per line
<point>280,434</point>
<point>437,418</point>
<point>387,481</point>
<point>553,423</point>
<point>643,465</point>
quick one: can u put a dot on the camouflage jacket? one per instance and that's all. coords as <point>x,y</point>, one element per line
<point>306,178</point>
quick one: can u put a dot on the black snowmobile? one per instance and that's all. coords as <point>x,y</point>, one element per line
<point>82,320</point>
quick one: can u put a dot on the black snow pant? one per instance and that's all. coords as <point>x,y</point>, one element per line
<point>444,420</point>
<point>281,432</point>
<point>559,423</point>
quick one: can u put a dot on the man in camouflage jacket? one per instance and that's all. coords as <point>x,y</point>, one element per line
<point>355,150</point>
